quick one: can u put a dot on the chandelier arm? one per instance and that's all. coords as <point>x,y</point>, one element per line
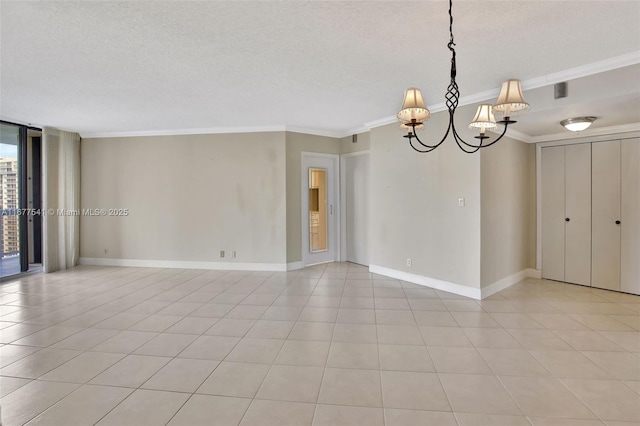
<point>432,147</point>
<point>460,141</point>
<point>463,149</point>
<point>415,135</point>
<point>429,148</point>
<point>504,131</point>
<point>422,151</point>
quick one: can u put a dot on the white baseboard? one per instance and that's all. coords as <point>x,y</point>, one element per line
<point>474,293</point>
<point>294,266</point>
<point>507,282</point>
<point>184,264</point>
<point>447,286</point>
<point>534,273</point>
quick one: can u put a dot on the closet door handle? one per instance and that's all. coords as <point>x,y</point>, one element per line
<point>566,219</point>
<point>618,222</point>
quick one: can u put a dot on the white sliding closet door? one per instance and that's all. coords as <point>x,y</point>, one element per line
<point>630,226</point>
<point>605,258</point>
<point>577,252</point>
<point>553,217</point>
<point>566,213</point>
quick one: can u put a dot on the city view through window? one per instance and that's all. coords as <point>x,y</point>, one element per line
<point>9,228</point>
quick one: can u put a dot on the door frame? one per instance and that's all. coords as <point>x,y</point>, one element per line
<point>304,207</point>
<point>343,200</point>
<point>36,173</point>
<point>23,224</point>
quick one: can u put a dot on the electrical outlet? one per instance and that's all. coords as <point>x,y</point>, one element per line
<point>460,202</point>
<point>221,253</point>
<point>409,262</point>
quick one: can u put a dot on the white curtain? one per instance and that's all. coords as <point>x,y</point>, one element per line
<point>61,199</point>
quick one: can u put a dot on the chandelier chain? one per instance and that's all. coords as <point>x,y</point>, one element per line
<point>452,42</point>
<point>453,93</point>
<point>452,98</point>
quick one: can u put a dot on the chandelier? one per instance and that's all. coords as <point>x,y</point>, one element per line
<point>414,112</point>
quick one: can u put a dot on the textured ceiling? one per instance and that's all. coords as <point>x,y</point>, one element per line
<point>100,67</point>
<point>613,97</point>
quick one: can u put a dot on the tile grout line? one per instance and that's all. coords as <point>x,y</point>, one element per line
<point>188,398</point>
<point>326,362</point>
<point>253,398</point>
<point>538,299</point>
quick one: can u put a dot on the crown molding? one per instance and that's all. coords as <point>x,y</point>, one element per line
<point>176,132</point>
<point>616,62</point>
<point>511,133</point>
<point>519,136</point>
<point>600,131</point>
<point>317,132</point>
<point>567,135</point>
<point>216,130</point>
<point>380,122</point>
<point>356,131</point>
<point>628,59</point>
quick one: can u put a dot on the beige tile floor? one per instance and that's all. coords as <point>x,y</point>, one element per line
<point>328,345</point>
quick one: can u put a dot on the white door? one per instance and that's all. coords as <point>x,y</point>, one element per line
<point>319,182</point>
<point>605,258</point>
<point>355,168</point>
<point>553,217</point>
<point>630,226</point>
<point>577,250</point>
<point>566,213</point>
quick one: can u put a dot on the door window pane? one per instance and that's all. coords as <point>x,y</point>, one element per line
<point>318,214</point>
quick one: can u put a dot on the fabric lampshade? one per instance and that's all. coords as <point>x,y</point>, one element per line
<point>413,107</point>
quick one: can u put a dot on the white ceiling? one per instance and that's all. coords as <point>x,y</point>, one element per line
<point>328,67</point>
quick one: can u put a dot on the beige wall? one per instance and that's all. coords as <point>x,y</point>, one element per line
<point>347,146</point>
<point>189,197</point>
<point>296,144</point>
<point>508,208</point>
<point>415,211</point>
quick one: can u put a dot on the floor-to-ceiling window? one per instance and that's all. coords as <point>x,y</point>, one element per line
<point>19,194</point>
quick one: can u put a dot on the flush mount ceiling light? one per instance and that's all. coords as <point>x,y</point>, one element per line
<point>577,124</point>
<point>414,111</point>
